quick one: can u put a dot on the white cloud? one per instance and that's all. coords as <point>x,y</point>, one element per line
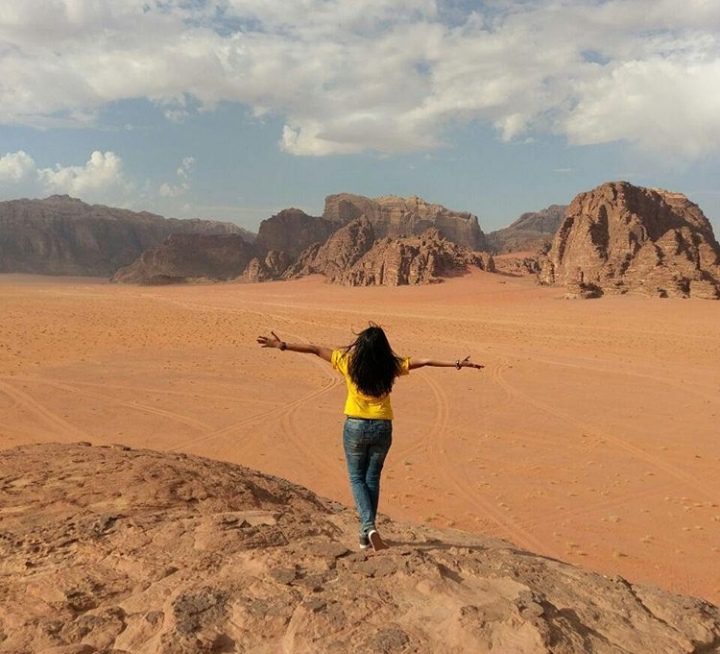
<point>101,178</point>
<point>16,166</point>
<point>183,173</point>
<point>102,175</point>
<point>383,75</point>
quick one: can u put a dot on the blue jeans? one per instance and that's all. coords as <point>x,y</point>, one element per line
<point>366,444</point>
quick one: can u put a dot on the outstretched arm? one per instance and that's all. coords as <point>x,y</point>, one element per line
<point>304,348</point>
<point>460,363</point>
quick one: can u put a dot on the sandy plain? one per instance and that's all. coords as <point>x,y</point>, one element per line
<point>591,436</point>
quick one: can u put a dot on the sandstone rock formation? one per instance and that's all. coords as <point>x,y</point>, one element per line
<point>397,217</point>
<point>107,549</point>
<point>520,264</point>
<point>419,259</point>
<point>189,257</point>
<point>336,255</point>
<point>619,238</point>
<point>291,231</point>
<point>530,232</point>
<point>271,267</point>
<point>61,235</point>
<point>352,256</point>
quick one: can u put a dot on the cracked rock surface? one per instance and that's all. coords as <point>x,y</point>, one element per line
<point>108,549</point>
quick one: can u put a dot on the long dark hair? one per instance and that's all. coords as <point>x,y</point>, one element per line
<point>373,365</point>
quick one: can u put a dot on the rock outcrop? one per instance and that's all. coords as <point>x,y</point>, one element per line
<point>353,256</point>
<point>335,256</point>
<point>529,233</point>
<point>422,259</point>
<point>291,231</point>
<point>61,235</point>
<point>517,265</point>
<point>620,238</point>
<point>271,267</point>
<point>395,217</point>
<point>189,257</point>
<point>108,549</point>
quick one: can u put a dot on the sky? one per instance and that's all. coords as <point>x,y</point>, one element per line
<point>235,109</point>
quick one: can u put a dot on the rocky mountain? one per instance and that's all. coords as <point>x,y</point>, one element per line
<point>61,235</point>
<point>190,257</point>
<point>529,233</point>
<point>291,231</point>
<point>267,268</point>
<point>395,217</point>
<point>422,259</point>
<point>109,549</point>
<point>384,232</point>
<point>353,256</point>
<point>619,238</point>
<point>333,257</point>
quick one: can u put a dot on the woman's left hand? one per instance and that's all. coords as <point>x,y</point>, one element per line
<point>466,363</point>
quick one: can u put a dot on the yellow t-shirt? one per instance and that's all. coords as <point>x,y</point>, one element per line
<point>357,404</point>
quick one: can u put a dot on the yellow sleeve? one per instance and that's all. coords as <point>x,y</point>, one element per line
<point>338,361</point>
<point>405,366</point>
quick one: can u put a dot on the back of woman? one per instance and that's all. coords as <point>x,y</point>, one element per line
<point>370,368</point>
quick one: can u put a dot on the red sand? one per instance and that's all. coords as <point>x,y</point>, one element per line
<point>591,436</point>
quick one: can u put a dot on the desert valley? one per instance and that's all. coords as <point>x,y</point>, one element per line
<point>590,437</point>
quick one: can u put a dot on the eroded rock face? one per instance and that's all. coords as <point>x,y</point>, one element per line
<point>291,231</point>
<point>113,549</point>
<point>529,233</point>
<point>61,235</point>
<point>189,257</point>
<point>520,265</point>
<point>395,217</point>
<point>619,238</point>
<point>272,266</point>
<point>420,259</point>
<point>334,257</point>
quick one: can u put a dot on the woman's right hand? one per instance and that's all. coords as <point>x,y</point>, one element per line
<point>269,341</point>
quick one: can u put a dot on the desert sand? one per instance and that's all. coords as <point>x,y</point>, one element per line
<point>591,436</point>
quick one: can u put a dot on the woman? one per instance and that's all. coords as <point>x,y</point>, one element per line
<point>370,368</point>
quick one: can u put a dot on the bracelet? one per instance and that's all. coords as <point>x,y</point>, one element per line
<point>283,345</point>
<point>457,364</point>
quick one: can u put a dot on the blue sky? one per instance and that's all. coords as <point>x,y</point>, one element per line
<point>234,109</point>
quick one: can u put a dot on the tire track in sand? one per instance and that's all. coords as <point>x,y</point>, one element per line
<point>138,406</point>
<point>454,475</point>
<point>278,412</point>
<point>275,412</point>
<point>28,402</point>
<point>637,452</point>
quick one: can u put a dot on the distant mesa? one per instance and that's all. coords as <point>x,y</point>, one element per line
<point>395,217</point>
<point>61,235</point>
<point>529,233</point>
<point>620,238</point>
<point>113,549</point>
